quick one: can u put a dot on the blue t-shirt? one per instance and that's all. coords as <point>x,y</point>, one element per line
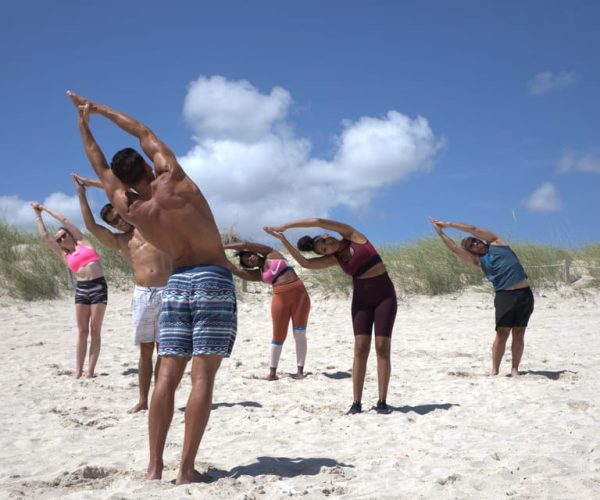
<point>502,267</point>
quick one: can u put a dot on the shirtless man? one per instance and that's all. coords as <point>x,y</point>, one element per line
<point>199,315</point>
<point>151,269</point>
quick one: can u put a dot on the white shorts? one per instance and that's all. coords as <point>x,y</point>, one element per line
<point>145,313</point>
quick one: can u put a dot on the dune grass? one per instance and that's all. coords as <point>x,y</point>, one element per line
<point>30,271</point>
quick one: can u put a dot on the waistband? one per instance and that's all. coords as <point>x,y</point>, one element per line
<point>516,291</point>
<point>290,285</point>
<point>148,288</point>
<point>380,277</point>
<point>197,268</point>
<point>101,279</point>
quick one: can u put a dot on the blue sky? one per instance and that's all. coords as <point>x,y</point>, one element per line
<point>378,114</point>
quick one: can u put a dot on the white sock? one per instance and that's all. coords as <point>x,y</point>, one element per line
<point>301,345</point>
<point>275,354</point>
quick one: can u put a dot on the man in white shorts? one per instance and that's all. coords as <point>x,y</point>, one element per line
<point>151,268</point>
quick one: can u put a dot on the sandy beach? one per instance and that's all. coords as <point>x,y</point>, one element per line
<point>454,431</point>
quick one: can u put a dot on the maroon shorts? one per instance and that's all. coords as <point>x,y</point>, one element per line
<point>374,303</point>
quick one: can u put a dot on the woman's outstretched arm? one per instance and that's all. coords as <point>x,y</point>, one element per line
<point>314,263</point>
<point>41,227</point>
<point>345,230</point>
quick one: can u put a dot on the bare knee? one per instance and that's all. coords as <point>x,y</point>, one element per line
<point>383,352</point>
<point>146,351</point>
<point>361,349</point>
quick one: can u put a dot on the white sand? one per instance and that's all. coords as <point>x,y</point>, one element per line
<point>455,433</point>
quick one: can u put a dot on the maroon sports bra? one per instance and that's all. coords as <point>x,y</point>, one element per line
<point>364,258</point>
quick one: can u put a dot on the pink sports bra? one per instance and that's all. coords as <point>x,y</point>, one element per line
<point>364,258</point>
<point>82,256</point>
<point>276,267</point>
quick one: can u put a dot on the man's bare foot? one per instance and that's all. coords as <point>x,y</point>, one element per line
<point>189,477</point>
<point>77,374</point>
<point>90,375</point>
<point>138,407</point>
<point>299,374</point>
<point>514,372</point>
<point>154,471</point>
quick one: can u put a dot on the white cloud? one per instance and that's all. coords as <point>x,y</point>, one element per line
<point>255,171</point>
<point>546,81</point>
<point>221,109</point>
<point>544,199</point>
<point>571,162</point>
<point>17,212</point>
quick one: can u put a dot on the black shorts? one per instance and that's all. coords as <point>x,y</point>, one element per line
<point>91,292</point>
<point>513,307</point>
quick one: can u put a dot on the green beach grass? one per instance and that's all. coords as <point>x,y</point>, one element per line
<point>30,271</point>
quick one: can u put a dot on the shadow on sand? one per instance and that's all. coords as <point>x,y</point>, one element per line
<point>338,375</point>
<point>276,466</point>
<point>552,375</point>
<point>245,404</point>
<point>423,409</point>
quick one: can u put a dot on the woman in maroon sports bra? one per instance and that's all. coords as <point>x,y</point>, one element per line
<point>373,300</point>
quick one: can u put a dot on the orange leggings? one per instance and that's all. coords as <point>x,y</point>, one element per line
<point>290,300</point>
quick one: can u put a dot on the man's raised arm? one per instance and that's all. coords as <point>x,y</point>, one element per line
<point>104,236</point>
<point>111,184</point>
<point>163,158</point>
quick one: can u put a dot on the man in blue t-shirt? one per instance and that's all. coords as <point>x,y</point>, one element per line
<point>514,299</point>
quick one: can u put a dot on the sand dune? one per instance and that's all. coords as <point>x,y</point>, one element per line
<point>454,432</point>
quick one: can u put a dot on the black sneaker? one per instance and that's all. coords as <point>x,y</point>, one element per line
<point>382,407</point>
<point>355,408</point>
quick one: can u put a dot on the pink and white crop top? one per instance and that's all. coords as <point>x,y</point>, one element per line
<point>276,268</point>
<point>364,258</point>
<point>82,256</point>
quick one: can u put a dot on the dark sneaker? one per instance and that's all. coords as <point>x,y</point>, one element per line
<point>382,407</point>
<point>355,408</point>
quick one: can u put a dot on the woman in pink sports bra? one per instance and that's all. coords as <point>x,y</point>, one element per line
<point>91,292</point>
<point>374,303</point>
<point>290,299</point>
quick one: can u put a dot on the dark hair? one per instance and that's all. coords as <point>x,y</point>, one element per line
<point>104,210</point>
<point>128,165</point>
<point>242,253</point>
<point>69,233</point>
<point>468,241</point>
<point>306,244</point>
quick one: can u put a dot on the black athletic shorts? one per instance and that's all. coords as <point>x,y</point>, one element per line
<point>91,292</point>
<point>513,307</point>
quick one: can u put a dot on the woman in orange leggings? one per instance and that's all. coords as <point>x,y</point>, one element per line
<point>290,298</point>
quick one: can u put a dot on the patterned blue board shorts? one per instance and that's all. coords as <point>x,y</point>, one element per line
<point>199,312</point>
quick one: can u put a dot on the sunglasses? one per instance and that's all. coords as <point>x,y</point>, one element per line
<point>61,237</point>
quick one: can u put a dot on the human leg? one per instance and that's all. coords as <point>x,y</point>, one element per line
<point>144,376</point>
<point>517,348</point>
<point>362,346</point>
<point>97,316</point>
<point>280,317</point>
<point>197,412</point>
<point>82,314</point>
<point>498,348</point>
<point>384,365</point>
<point>385,316</point>
<point>300,314</point>
<point>161,411</point>
<point>145,313</point>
